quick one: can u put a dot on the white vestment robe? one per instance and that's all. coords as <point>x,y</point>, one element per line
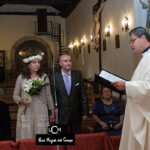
<point>136,127</point>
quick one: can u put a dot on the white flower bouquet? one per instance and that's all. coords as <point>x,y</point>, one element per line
<point>33,87</point>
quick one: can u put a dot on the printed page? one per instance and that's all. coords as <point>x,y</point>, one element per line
<point>110,77</point>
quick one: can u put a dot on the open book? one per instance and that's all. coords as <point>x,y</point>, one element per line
<point>109,76</point>
<point>105,78</point>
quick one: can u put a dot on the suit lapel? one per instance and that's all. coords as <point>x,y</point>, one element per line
<point>72,81</point>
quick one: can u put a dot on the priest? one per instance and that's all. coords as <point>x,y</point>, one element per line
<point>136,127</point>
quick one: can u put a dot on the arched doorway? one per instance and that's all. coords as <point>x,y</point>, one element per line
<point>29,45</point>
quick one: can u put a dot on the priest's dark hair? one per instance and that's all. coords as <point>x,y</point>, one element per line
<point>139,31</point>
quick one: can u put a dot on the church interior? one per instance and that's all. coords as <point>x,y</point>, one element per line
<point>94,32</point>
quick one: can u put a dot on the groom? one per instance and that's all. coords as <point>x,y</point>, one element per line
<point>71,97</point>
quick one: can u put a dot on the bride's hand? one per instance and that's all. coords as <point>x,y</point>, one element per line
<point>52,119</point>
<point>24,102</point>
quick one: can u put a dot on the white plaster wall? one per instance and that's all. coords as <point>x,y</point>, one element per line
<point>15,27</point>
<point>139,14</point>
<point>120,61</point>
<point>79,24</point>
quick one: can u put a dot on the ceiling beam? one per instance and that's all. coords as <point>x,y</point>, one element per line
<point>2,2</point>
<point>39,2</point>
<point>64,6</point>
<point>29,13</point>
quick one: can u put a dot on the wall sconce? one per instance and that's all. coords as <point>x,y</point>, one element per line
<point>70,46</point>
<point>91,37</point>
<point>125,24</point>
<point>107,31</point>
<point>76,43</point>
<point>83,40</point>
<point>21,53</point>
<point>41,53</point>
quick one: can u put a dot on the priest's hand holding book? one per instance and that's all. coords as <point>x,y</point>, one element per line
<point>111,81</point>
<point>119,85</point>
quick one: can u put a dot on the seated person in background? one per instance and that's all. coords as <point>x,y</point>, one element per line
<point>5,132</point>
<point>108,113</point>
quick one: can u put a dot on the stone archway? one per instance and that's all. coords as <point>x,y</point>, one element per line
<point>30,43</point>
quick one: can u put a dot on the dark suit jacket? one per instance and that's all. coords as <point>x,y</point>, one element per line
<point>5,133</point>
<point>71,107</point>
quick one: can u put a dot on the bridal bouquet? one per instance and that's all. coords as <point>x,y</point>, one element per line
<point>33,87</point>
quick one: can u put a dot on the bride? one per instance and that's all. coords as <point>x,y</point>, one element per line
<point>36,119</point>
